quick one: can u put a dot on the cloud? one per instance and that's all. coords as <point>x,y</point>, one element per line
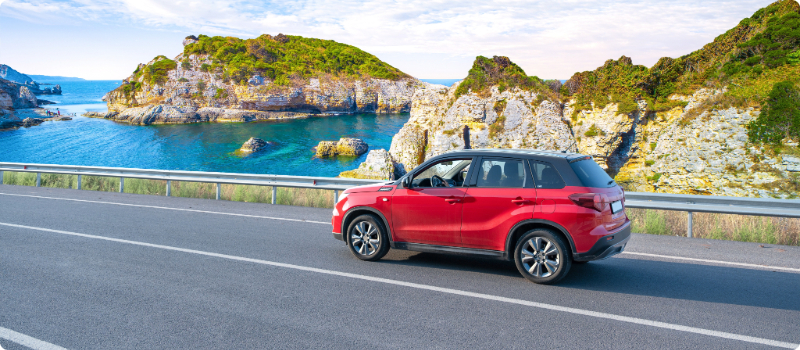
<point>547,38</point>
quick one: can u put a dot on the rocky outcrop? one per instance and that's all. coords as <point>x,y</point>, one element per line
<point>344,147</point>
<point>166,114</point>
<point>28,122</point>
<point>253,145</point>
<point>513,118</point>
<point>13,97</point>
<point>378,166</point>
<point>192,82</point>
<point>13,76</point>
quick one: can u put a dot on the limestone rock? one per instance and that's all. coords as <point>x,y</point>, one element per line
<point>379,166</point>
<point>28,122</point>
<point>253,145</point>
<point>344,147</point>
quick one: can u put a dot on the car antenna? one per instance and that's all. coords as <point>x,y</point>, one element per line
<point>570,146</point>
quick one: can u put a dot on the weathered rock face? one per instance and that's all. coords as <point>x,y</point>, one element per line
<point>193,87</point>
<point>344,147</point>
<point>253,145</point>
<point>167,114</point>
<point>13,96</point>
<point>510,119</point>
<point>13,76</point>
<point>379,166</point>
<point>669,152</point>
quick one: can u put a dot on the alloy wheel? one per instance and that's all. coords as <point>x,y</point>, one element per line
<point>365,238</point>
<point>540,257</point>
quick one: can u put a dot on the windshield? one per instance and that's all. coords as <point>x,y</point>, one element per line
<point>591,174</point>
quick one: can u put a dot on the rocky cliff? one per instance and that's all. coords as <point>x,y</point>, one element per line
<point>13,76</point>
<point>13,97</point>
<point>229,79</point>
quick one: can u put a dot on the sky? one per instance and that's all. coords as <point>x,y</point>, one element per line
<point>429,39</point>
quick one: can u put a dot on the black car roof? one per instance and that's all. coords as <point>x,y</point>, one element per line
<point>516,151</point>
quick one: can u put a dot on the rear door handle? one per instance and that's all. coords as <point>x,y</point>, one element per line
<point>520,201</point>
<point>452,200</point>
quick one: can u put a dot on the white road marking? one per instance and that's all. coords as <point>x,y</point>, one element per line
<point>27,341</point>
<point>168,208</point>
<point>570,310</point>
<point>768,267</point>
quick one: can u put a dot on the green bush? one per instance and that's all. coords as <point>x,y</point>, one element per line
<point>221,93</point>
<point>781,116</point>
<point>649,162</point>
<point>594,131</point>
<point>204,67</point>
<point>284,56</point>
<point>156,73</point>
<point>500,71</point>
<point>201,85</point>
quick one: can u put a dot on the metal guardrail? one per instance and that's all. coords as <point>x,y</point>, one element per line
<point>789,208</point>
<point>639,200</point>
<point>323,183</point>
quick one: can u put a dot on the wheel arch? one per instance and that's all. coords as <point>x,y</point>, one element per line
<point>526,225</point>
<point>354,212</point>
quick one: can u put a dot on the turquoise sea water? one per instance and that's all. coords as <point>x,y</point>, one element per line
<point>200,147</point>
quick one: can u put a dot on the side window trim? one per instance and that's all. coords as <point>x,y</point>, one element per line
<point>479,163</point>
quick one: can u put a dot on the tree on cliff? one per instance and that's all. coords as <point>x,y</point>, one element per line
<point>781,116</point>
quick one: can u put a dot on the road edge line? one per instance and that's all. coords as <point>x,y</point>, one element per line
<point>713,261</point>
<point>26,340</point>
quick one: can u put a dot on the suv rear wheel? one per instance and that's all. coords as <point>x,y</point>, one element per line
<point>542,257</point>
<point>366,238</point>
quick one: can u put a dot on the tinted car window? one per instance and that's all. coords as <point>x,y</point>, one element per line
<point>546,176</point>
<point>507,173</point>
<point>591,174</point>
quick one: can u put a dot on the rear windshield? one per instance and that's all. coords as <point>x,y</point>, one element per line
<point>591,174</point>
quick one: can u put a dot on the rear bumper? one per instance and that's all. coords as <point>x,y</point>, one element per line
<point>338,236</point>
<point>605,247</point>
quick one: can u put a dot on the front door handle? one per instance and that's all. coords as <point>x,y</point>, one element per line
<point>519,200</point>
<point>452,200</point>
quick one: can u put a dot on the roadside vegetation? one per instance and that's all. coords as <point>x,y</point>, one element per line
<point>307,197</point>
<point>767,230</point>
<point>742,228</point>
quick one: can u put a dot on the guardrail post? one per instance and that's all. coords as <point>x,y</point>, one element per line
<point>218,190</point>
<point>169,187</point>
<point>1,177</point>
<point>79,182</point>
<point>38,179</point>
<point>689,226</point>
<point>335,196</point>
<point>121,184</point>
<point>274,194</point>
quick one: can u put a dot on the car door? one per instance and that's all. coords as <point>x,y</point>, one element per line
<point>427,214</point>
<point>500,194</point>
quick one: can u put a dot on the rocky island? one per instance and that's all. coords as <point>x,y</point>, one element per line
<point>226,79</point>
<point>723,120</point>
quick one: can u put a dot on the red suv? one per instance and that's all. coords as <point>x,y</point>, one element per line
<point>544,210</point>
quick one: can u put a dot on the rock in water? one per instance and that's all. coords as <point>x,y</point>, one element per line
<point>253,145</point>
<point>344,147</point>
<point>28,122</point>
<point>378,166</point>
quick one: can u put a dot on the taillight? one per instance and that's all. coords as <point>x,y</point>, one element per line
<point>596,201</point>
<point>623,194</point>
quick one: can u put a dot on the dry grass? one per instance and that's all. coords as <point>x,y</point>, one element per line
<point>770,230</point>
<point>743,228</point>
<point>307,197</point>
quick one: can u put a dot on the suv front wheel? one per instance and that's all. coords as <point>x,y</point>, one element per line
<point>542,257</point>
<point>366,238</point>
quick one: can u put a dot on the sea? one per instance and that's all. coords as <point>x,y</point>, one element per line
<point>197,147</point>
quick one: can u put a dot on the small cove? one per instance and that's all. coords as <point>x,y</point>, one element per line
<point>198,147</point>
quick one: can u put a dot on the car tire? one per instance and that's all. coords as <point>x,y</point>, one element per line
<point>367,238</point>
<point>542,257</point>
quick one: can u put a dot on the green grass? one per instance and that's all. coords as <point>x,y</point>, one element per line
<point>307,197</point>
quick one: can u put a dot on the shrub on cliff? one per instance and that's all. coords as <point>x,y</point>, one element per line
<point>781,116</point>
<point>282,57</point>
<point>498,71</point>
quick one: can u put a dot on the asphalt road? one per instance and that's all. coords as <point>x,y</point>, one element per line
<point>80,272</point>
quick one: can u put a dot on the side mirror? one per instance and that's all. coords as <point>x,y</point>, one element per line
<point>407,182</point>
